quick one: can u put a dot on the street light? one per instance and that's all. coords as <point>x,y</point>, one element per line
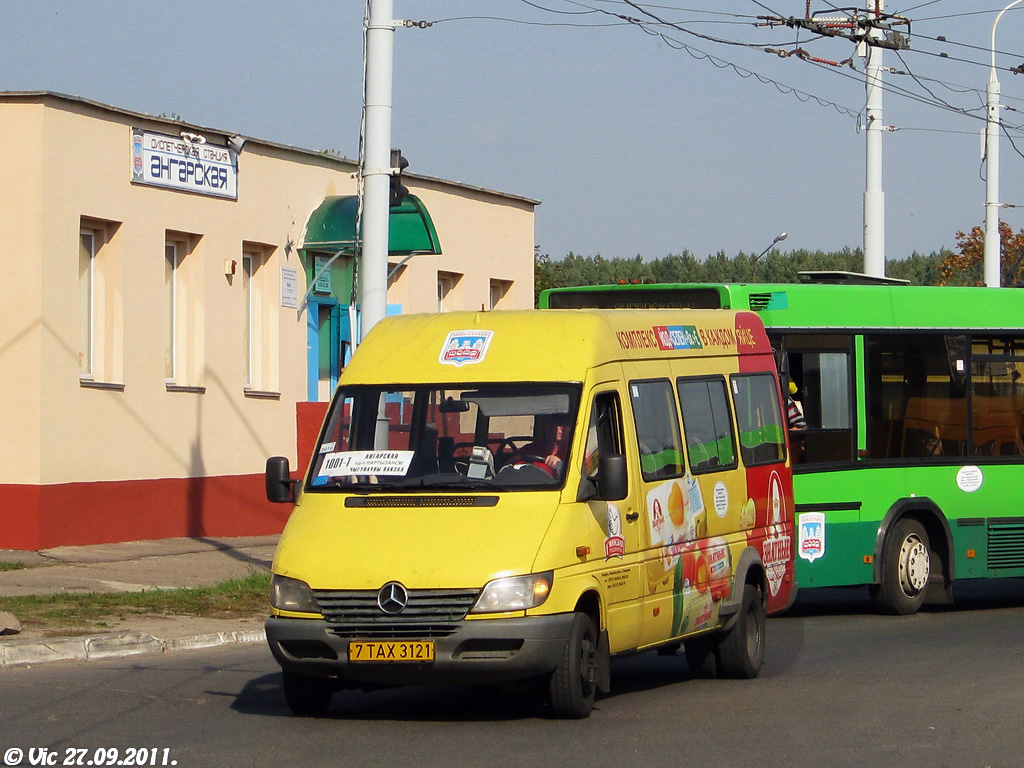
<point>992,239</point>
<point>779,238</point>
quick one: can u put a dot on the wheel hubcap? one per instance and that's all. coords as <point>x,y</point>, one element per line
<point>588,665</point>
<point>914,565</point>
<point>753,635</point>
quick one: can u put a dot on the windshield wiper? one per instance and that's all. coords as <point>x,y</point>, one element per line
<point>469,483</point>
<point>364,488</point>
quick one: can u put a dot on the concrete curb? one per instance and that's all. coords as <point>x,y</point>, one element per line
<point>113,645</point>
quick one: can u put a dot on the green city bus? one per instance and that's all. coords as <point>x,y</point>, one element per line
<point>910,470</point>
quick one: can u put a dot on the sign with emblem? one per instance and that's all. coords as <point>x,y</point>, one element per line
<point>465,347</point>
<point>811,536</point>
<point>185,163</point>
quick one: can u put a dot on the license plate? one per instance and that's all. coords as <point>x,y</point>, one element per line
<point>391,650</point>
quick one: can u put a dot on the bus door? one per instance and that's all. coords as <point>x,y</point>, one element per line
<point>620,521</point>
<point>664,510</point>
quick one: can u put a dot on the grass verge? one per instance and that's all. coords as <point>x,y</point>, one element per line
<point>65,614</point>
<point>6,565</point>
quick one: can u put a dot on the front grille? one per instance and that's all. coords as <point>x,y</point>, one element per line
<point>394,631</point>
<point>429,612</point>
<point>1005,545</point>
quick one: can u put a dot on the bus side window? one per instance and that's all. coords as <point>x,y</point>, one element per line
<point>820,365</point>
<point>762,434</point>
<point>604,437</point>
<point>657,429</point>
<point>706,424</point>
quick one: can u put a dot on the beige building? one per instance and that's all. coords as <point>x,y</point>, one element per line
<point>169,321</point>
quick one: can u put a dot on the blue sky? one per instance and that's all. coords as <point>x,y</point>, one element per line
<point>632,143</point>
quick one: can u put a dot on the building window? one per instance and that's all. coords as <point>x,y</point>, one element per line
<point>446,283</point>
<point>86,300</point>
<point>100,323</point>
<point>172,266</point>
<point>250,261</point>
<point>183,290</point>
<point>498,290</point>
<point>260,330</point>
<point>444,287</point>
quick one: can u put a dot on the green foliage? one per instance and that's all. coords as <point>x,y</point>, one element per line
<point>775,267</point>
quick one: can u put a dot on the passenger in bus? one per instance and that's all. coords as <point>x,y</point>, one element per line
<point>794,411</point>
<point>797,423</point>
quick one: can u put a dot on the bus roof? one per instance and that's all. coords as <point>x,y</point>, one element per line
<point>534,345</point>
<point>818,305</point>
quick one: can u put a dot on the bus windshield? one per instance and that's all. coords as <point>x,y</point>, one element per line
<point>453,437</point>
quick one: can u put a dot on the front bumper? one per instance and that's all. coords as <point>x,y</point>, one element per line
<point>478,652</point>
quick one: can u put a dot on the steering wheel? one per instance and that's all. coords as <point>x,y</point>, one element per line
<point>507,448</point>
<point>529,458</point>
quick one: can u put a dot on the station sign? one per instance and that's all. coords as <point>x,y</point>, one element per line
<point>188,164</point>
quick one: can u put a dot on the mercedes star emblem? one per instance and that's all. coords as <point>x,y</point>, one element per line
<point>392,598</point>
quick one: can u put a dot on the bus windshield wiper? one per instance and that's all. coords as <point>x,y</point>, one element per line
<point>385,487</point>
<point>468,483</point>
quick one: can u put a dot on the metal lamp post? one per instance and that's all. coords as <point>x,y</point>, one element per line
<point>778,239</point>
<point>992,127</point>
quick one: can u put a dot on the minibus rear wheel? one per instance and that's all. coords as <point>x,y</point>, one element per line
<point>306,695</point>
<point>573,684</point>
<point>741,650</point>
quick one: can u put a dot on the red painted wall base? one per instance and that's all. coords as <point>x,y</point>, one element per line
<point>44,516</point>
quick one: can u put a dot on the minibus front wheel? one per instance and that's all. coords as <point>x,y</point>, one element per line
<point>573,684</point>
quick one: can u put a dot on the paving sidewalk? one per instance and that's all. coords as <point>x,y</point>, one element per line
<point>131,567</point>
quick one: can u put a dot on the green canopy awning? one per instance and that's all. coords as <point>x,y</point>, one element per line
<point>332,227</point>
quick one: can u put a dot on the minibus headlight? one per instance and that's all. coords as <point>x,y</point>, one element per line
<point>515,593</point>
<point>292,595</point>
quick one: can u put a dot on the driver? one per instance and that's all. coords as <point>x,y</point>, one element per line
<point>551,445</point>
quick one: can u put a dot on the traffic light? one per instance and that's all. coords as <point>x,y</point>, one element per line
<point>398,189</point>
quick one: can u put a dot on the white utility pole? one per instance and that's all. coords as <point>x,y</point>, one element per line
<point>874,198</point>
<point>376,168</point>
<point>993,242</point>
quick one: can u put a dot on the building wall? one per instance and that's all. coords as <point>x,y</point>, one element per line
<point>128,455</point>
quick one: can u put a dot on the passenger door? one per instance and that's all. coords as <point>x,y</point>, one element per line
<point>662,495</point>
<point>619,520</point>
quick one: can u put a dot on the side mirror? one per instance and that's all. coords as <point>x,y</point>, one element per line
<point>280,485</point>
<point>612,477</point>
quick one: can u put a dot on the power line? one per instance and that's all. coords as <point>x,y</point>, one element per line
<point>655,24</point>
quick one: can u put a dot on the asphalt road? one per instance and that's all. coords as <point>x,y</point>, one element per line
<point>840,687</point>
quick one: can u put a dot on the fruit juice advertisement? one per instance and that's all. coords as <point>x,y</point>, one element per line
<point>674,509</point>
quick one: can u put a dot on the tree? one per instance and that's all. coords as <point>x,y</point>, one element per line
<point>965,265</point>
<point>775,267</point>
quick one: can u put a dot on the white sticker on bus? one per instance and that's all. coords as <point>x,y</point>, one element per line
<point>348,463</point>
<point>969,479</point>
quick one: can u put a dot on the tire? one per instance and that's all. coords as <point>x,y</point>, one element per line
<point>741,649</point>
<point>906,566</point>
<point>573,684</point>
<point>701,656</point>
<point>306,695</point>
